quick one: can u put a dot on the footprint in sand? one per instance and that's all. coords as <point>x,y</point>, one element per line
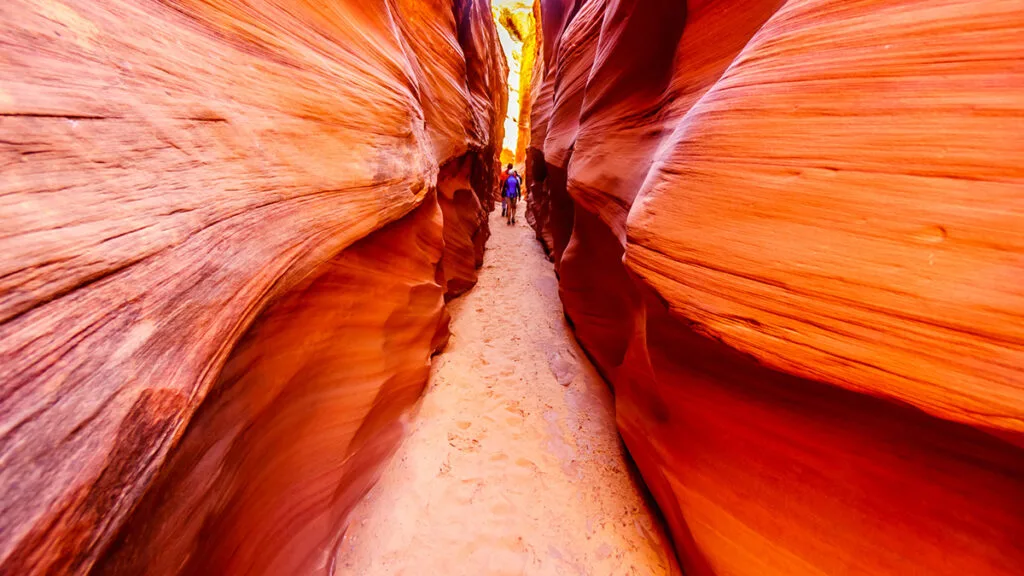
<point>463,444</point>
<point>515,408</point>
<point>527,463</point>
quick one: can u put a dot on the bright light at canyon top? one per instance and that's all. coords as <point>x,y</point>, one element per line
<point>515,23</point>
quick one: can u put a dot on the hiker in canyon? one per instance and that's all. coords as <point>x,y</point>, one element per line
<point>512,190</point>
<point>501,189</point>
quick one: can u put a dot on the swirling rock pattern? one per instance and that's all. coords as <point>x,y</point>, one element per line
<point>228,230</point>
<point>791,241</point>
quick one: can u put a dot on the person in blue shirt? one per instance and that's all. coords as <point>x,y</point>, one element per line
<point>501,190</point>
<point>511,193</point>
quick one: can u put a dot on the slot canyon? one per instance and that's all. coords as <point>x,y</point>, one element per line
<point>260,313</point>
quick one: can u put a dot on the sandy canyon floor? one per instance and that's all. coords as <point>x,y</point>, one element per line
<point>512,464</point>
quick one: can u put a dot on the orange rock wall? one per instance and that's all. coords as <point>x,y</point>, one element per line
<point>228,232</point>
<point>531,48</point>
<point>790,239</point>
<point>297,423</point>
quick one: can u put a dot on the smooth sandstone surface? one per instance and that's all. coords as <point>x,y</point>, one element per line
<point>791,242</point>
<point>228,231</point>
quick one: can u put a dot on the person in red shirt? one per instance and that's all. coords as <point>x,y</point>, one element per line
<point>501,188</point>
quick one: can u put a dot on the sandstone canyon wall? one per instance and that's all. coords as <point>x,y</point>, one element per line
<point>789,233</point>
<point>519,19</point>
<point>228,231</point>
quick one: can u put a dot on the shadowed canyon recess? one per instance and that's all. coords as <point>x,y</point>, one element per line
<point>787,237</point>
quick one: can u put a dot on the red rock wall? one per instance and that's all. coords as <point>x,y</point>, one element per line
<point>292,433</point>
<point>228,231</point>
<point>790,240</point>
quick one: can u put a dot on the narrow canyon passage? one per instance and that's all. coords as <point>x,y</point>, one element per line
<point>512,463</point>
<point>249,327</point>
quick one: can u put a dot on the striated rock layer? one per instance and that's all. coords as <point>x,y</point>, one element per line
<point>789,234</point>
<point>228,230</point>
